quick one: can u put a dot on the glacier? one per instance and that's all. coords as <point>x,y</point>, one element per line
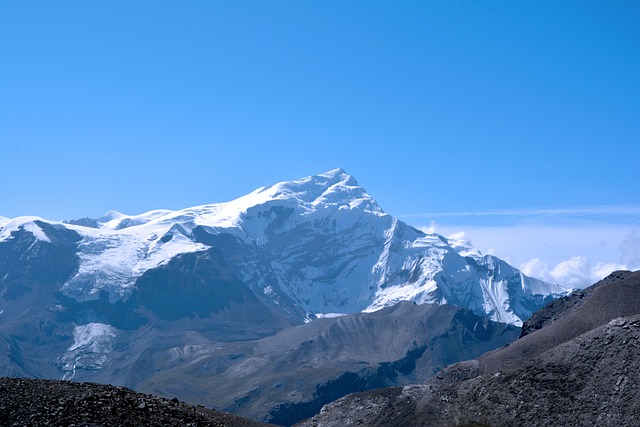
<point>321,243</point>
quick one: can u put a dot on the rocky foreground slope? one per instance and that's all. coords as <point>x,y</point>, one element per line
<point>27,402</point>
<point>580,367</point>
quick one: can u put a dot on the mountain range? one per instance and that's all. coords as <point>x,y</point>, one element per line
<point>575,364</point>
<point>141,300</point>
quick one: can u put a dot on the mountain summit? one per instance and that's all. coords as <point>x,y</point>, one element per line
<point>320,243</point>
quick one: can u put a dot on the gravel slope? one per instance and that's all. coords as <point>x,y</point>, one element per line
<point>27,402</point>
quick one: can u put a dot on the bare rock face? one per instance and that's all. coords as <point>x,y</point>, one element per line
<point>27,402</point>
<point>580,368</point>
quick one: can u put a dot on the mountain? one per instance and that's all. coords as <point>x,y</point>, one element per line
<point>579,367</point>
<point>289,376</point>
<point>99,299</point>
<point>320,244</point>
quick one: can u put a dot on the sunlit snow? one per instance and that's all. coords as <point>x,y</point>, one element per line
<point>23,222</point>
<point>92,344</point>
<point>321,240</point>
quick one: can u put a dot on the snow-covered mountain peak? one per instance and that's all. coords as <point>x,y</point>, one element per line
<point>463,247</point>
<point>113,220</point>
<point>334,189</point>
<point>321,242</point>
<point>27,223</point>
<point>336,173</point>
<point>110,216</point>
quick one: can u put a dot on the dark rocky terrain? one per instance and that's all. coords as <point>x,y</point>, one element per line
<point>580,367</point>
<point>27,402</point>
<point>563,306</point>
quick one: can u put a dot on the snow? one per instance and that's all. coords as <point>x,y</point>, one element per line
<point>113,256</point>
<point>113,220</point>
<point>463,247</point>
<point>332,190</point>
<point>112,259</point>
<point>538,286</point>
<point>432,268</point>
<point>420,294</point>
<point>110,216</point>
<point>321,240</point>
<point>23,222</point>
<point>329,315</point>
<point>93,336</point>
<point>92,345</point>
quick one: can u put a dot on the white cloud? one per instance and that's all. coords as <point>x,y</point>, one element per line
<point>452,235</point>
<point>427,229</point>
<point>575,272</point>
<point>460,235</point>
<point>536,268</point>
<point>630,248</point>
<point>603,269</point>
<point>574,256</point>
<point>576,211</point>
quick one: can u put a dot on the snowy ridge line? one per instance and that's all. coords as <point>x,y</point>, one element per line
<point>321,240</point>
<point>28,223</point>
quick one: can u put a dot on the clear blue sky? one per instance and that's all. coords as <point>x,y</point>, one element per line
<point>434,106</point>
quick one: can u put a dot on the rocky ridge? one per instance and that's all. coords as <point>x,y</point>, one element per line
<point>580,368</point>
<point>289,376</point>
<point>567,304</point>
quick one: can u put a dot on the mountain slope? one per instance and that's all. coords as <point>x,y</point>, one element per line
<point>579,368</point>
<point>289,376</point>
<point>38,402</point>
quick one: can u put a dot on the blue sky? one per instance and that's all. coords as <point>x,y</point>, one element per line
<point>472,116</point>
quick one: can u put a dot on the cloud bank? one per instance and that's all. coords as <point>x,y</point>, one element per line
<point>573,256</point>
<point>575,272</point>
